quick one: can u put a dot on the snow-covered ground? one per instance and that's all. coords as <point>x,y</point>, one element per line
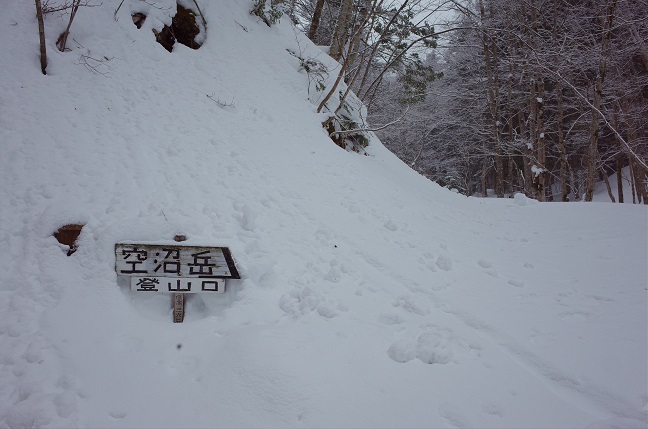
<point>601,193</point>
<point>369,296</point>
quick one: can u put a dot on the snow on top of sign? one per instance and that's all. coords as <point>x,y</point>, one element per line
<point>369,296</point>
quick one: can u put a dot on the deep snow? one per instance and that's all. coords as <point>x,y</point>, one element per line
<point>369,296</point>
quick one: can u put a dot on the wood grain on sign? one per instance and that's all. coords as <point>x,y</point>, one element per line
<point>161,260</point>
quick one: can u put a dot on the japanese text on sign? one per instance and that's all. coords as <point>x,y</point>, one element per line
<point>153,262</point>
<point>177,285</point>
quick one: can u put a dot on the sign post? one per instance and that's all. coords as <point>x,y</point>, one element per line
<point>175,269</point>
<point>178,307</point>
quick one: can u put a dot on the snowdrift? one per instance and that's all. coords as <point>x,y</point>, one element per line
<point>369,296</point>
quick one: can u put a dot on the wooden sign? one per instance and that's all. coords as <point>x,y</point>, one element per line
<point>177,285</point>
<point>175,269</point>
<point>155,260</point>
<point>169,268</point>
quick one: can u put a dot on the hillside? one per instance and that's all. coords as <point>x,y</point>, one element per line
<point>369,296</point>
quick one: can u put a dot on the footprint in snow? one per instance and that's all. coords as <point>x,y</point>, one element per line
<point>391,225</point>
<point>599,299</point>
<point>65,404</point>
<point>516,283</point>
<point>493,410</point>
<point>452,417</point>
<point>492,273</point>
<point>574,315</point>
<point>412,305</point>
<point>444,262</point>
<point>391,318</point>
<point>402,351</point>
<point>431,347</point>
<point>427,260</point>
<point>488,265</point>
<point>34,352</point>
<point>484,263</point>
<point>29,413</point>
<point>118,414</point>
<point>299,302</point>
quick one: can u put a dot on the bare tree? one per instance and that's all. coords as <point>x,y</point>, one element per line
<point>62,40</point>
<point>564,91</point>
<point>607,21</point>
<point>315,20</point>
<point>341,33</point>
<point>41,33</point>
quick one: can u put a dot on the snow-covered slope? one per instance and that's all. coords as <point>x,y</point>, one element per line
<point>369,296</point>
<point>601,193</point>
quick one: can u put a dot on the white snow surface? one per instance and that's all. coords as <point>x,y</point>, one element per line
<point>369,297</point>
<point>601,192</point>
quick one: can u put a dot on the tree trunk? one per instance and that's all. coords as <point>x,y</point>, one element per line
<point>619,173</point>
<point>606,179</point>
<point>562,147</point>
<point>592,152</point>
<point>492,76</point>
<point>341,33</point>
<point>619,161</point>
<point>541,158</point>
<point>484,189</point>
<point>575,185</point>
<point>537,109</point>
<point>560,114</point>
<point>374,50</point>
<point>641,182</point>
<point>62,40</point>
<point>315,21</point>
<point>361,21</point>
<point>509,182</point>
<point>637,171</point>
<point>345,65</point>
<point>532,147</point>
<point>526,155</point>
<point>41,34</point>
<point>633,188</point>
<point>510,177</point>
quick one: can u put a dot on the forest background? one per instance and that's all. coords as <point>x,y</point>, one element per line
<point>491,97</point>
